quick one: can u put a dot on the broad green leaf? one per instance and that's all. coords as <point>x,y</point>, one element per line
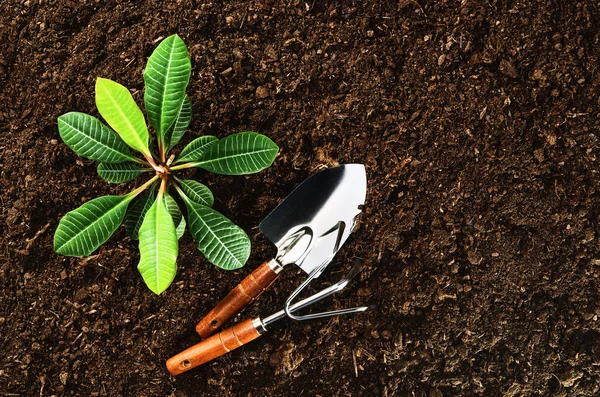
<point>175,133</point>
<point>116,105</point>
<point>181,228</point>
<point>83,230</point>
<point>175,211</point>
<point>197,192</point>
<point>195,149</point>
<point>89,138</point>
<point>173,208</point>
<point>166,77</point>
<point>119,173</point>
<point>239,154</point>
<point>223,243</point>
<point>158,247</point>
<point>135,215</point>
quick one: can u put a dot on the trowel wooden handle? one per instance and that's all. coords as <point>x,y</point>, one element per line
<point>246,291</point>
<point>213,347</point>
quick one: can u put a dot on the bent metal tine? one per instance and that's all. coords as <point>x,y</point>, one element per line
<point>340,285</point>
<point>340,226</point>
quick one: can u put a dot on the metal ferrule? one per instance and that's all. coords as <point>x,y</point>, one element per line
<point>259,326</point>
<point>275,266</point>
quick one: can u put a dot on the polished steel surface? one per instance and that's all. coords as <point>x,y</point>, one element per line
<point>304,227</point>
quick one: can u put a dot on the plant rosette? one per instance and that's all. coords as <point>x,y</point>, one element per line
<point>150,214</point>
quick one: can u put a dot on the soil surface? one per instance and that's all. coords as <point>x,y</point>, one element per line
<point>477,122</point>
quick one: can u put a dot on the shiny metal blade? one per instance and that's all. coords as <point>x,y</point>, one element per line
<point>318,204</point>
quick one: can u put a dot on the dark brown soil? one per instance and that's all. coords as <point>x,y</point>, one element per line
<point>477,122</point>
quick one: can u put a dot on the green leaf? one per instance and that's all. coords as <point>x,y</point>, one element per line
<point>173,208</point>
<point>119,173</point>
<point>89,138</point>
<point>195,149</point>
<point>175,133</point>
<point>158,247</point>
<point>135,215</point>
<point>166,77</point>
<point>116,105</point>
<point>181,228</point>
<point>81,231</point>
<point>197,192</point>
<point>239,154</point>
<point>223,243</point>
<point>175,211</point>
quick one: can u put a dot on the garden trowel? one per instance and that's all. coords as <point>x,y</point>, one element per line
<point>307,227</point>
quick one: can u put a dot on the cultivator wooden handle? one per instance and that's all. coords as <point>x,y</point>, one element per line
<point>215,346</point>
<point>248,290</point>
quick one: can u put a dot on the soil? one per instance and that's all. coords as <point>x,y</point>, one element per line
<point>478,125</point>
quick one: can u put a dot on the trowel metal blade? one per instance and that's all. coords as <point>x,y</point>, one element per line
<point>319,203</point>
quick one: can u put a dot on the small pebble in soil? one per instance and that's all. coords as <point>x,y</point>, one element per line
<point>508,68</point>
<point>262,92</point>
<point>538,74</point>
<point>474,258</point>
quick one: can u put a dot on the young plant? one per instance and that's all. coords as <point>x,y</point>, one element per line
<point>150,213</point>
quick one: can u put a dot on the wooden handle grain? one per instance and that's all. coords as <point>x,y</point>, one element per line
<point>213,347</point>
<point>248,290</point>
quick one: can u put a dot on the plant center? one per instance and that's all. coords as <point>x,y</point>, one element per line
<point>162,170</point>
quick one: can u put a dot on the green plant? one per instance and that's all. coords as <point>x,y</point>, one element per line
<point>154,217</point>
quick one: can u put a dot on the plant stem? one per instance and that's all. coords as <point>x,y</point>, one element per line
<point>140,189</point>
<point>170,160</point>
<point>184,166</point>
<point>181,193</point>
<point>139,161</point>
<point>161,151</point>
<point>163,186</point>
<point>153,163</point>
